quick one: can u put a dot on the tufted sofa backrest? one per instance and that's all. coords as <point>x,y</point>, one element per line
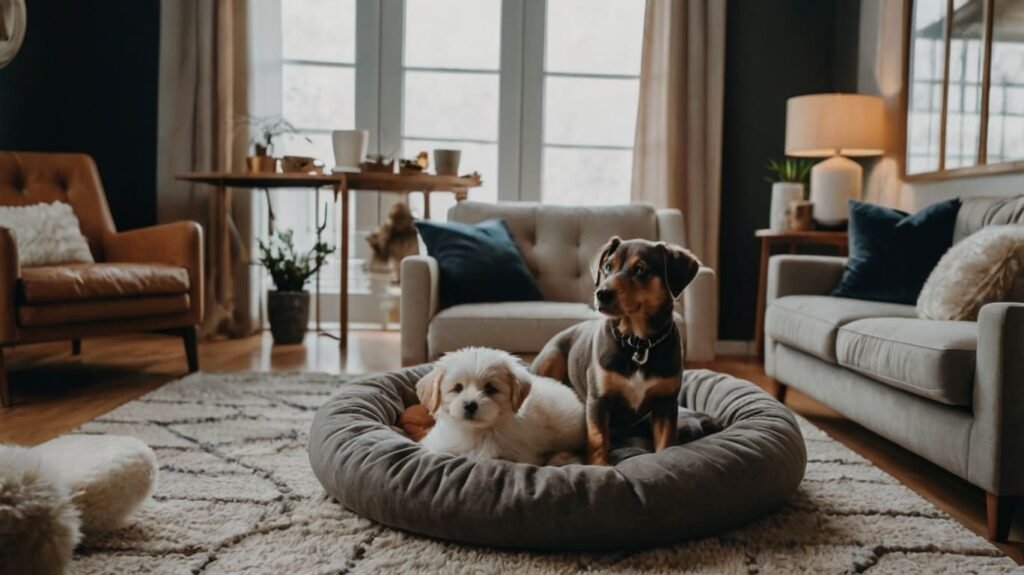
<point>38,177</point>
<point>560,242</point>
<point>976,213</point>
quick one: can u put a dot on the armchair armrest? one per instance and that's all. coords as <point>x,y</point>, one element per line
<point>996,453</point>
<point>671,227</point>
<point>420,296</point>
<point>10,271</point>
<point>803,275</point>
<point>700,308</point>
<point>177,244</point>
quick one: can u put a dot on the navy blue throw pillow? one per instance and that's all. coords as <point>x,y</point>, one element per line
<point>478,263</point>
<point>892,252</point>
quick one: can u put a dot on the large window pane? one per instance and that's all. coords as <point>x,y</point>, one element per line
<point>451,105</point>
<point>926,71</point>
<point>594,36</point>
<point>963,117</point>
<point>1006,94</point>
<point>321,30</point>
<point>319,97</point>
<point>453,34</point>
<point>574,176</point>
<point>590,111</point>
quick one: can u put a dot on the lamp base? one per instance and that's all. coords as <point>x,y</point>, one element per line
<point>833,182</point>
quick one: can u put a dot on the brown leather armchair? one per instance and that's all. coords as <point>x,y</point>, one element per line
<point>147,279</point>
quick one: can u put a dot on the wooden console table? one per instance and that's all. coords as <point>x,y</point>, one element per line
<point>771,238</point>
<point>341,184</point>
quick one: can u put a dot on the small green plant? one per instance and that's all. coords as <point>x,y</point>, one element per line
<point>289,269</point>
<point>268,128</point>
<point>795,170</point>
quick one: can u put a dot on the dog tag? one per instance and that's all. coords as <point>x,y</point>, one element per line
<point>640,355</point>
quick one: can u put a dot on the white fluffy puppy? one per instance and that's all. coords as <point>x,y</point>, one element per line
<point>488,405</point>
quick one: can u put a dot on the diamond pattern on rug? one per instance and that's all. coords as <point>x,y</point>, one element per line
<point>236,495</point>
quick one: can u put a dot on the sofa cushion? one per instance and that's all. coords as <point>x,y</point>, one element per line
<point>933,359</point>
<point>518,327</point>
<point>82,282</point>
<point>63,313</point>
<point>810,322</point>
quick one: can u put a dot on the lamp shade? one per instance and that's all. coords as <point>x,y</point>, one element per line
<point>822,125</point>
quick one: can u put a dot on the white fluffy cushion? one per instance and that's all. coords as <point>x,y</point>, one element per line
<point>109,476</point>
<point>38,522</point>
<point>46,234</point>
<point>986,267</point>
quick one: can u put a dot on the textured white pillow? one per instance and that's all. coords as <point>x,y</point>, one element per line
<point>985,267</point>
<point>46,234</point>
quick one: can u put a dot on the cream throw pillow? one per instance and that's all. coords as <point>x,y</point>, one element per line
<point>46,234</point>
<point>985,267</point>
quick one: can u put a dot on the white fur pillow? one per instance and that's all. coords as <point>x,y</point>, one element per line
<point>46,234</point>
<point>985,267</point>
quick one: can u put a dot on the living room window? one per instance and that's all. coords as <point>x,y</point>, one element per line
<point>539,95</point>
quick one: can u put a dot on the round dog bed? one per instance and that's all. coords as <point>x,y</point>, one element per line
<point>693,490</point>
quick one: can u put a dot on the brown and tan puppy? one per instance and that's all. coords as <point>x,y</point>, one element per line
<point>628,366</point>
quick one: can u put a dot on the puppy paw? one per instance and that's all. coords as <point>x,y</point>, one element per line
<point>417,422</point>
<point>563,458</point>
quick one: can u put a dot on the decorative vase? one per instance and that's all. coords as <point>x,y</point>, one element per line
<point>288,312</point>
<point>349,149</point>
<point>261,164</point>
<point>446,162</point>
<point>783,194</point>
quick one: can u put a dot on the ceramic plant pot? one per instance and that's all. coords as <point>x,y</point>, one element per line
<point>783,194</point>
<point>288,312</point>
<point>261,164</point>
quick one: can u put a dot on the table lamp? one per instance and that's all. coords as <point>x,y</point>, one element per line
<point>837,127</point>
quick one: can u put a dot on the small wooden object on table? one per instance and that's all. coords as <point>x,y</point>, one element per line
<point>792,239</point>
<point>341,184</point>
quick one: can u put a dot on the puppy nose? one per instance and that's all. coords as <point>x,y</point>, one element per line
<point>469,407</point>
<point>605,295</point>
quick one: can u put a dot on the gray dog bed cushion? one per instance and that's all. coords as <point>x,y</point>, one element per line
<point>688,491</point>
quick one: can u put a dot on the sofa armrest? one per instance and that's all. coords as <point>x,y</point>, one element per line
<point>803,275</point>
<point>177,244</point>
<point>997,455</point>
<point>420,295</point>
<point>10,271</point>
<point>700,308</point>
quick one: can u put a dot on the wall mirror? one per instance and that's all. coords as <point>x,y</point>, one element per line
<point>964,88</point>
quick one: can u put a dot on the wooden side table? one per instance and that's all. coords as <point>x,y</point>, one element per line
<point>772,238</point>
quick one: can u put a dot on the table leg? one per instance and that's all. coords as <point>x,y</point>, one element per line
<point>343,262</point>
<point>762,287</point>
<point>316,222</point>
<point>426,205</point>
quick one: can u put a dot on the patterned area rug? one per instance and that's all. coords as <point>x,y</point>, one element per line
<point>236,495</point>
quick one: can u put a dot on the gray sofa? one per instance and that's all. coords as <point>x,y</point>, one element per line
<point>950,391</point>
<point>558,243</point>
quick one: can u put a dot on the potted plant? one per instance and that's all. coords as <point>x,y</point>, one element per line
<point>288,305</point>
<point>267,129</point>
<point>788,178</point>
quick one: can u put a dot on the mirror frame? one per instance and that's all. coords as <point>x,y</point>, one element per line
<point>981,168</point>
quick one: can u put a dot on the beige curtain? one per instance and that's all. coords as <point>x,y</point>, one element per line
<point>203,79</point>
<point>678,152</point>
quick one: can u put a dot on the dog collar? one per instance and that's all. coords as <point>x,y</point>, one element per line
<point>642,347</point>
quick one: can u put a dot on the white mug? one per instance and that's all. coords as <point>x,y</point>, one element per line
<point>349,149</point>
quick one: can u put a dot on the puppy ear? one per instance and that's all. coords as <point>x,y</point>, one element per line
<point>428,389</point>
<point>521,384</point>
<point>606,250</point>
<point>681,267</point>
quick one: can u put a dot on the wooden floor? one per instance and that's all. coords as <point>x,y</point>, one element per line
<point>55,392</point>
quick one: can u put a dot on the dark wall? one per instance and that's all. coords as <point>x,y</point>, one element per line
<point>85,80</point>
<point>774,50</point>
